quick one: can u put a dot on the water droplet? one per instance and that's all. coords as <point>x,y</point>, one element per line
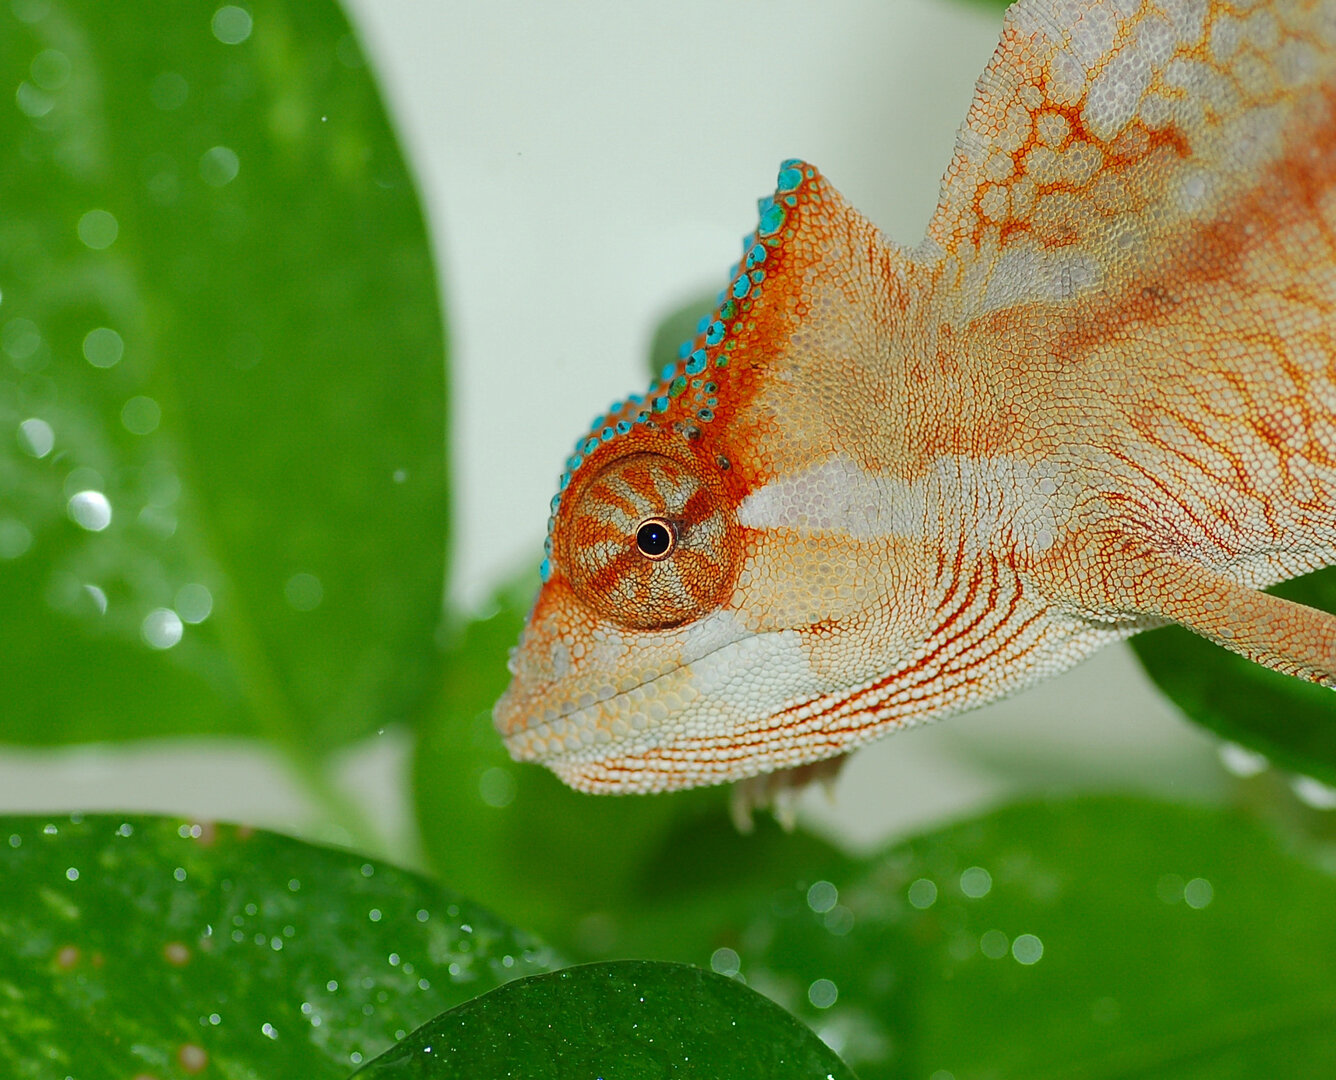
<point>1105,1010</point>
<point>994,944</point>
<point>1169,888</point>
<point>103,347</point>
<point>159,521</point>
<point>98,229</point>
<point>160,483</point>
<point>90,510</point>
<point>162,185</point>
<point>169,91</point>
<point>1027,949</point>
<point>192,1057</point>
<point>839,920</point>
<point>72,874</point>
<point>141,415</point>
<point>923,894</point>
<point>218,166</point>
<point>231,24</point>
<point>374,915</point>
<point>194,603</point>
<point>269,1030</point>
<point>304,592</point>
<point>30,11</point>
<point>15,538</point>
<point>725,962</point>
<point>36,437</point>
<point>1241,761</point>
<point>976,882</point>
<point>32,102</point>
<point>1314,793</point>
<point>823,993</point>
<point>822,896</point>
<point>161,628</point>
<point>50,69</point>
<point>1197,893</point>
<point>82,478</point>
<point>99,599</point>
<point>20,338</point>
<point>496,787</point>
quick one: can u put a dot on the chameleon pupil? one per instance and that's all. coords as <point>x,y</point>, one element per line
<point>655,538</point>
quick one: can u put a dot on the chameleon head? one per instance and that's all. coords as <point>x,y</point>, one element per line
<point>675,643</point>
<point>645,550</point>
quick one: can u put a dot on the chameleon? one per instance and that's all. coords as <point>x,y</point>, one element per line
<point>883,485</point>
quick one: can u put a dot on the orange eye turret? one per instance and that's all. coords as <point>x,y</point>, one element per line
<point>648,545</point>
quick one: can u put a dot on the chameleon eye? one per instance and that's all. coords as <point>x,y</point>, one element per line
<point>647,544</point>
<point>656,538</point>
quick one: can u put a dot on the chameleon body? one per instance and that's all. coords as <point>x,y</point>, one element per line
<point>885,485</point>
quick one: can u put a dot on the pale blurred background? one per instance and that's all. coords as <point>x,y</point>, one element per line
<point>586,168</point>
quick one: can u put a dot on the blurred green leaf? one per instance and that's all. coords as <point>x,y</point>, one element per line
<point>630,1020</point>
<point>1290,721</point>
<point>220,318</point>
<point>1101,937</point>
<point>134,946</point>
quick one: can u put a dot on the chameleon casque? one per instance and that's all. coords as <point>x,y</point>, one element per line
<point>883,485</point>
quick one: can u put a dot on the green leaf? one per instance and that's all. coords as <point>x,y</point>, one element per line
<point>219,316</point>
<point>135,946</point>
<point>629,1020</point>
<point>1093,938</point>
<point>1290,721</point>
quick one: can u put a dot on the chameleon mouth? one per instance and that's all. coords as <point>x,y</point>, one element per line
<point>700,723</point>
<point>631,721</point>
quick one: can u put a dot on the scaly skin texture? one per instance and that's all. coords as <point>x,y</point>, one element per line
<point>889,485</point>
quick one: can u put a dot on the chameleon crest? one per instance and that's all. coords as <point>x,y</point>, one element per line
<point>884,485</point>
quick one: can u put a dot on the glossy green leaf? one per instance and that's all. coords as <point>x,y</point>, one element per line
<point>134,946</point>
<point>1109,938</point>
<point>630,1020</point>
<point>1290,721</point>
<point>222,485</point>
